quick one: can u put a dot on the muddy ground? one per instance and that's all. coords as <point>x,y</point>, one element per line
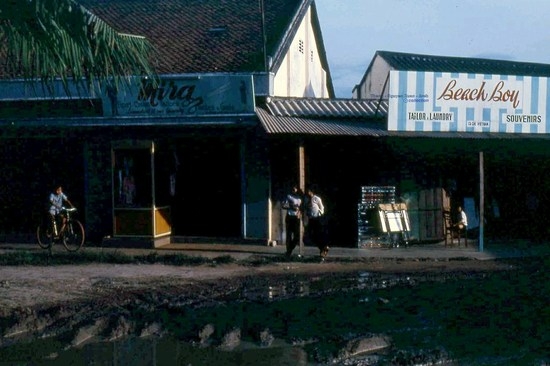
<point>31,287</point>
<point>50,290</point>
<point>78,304</point>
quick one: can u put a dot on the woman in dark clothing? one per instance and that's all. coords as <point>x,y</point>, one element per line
<point>314,210</point>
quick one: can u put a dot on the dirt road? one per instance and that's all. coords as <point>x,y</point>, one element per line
<point>78,303</point>
<point>27,287</point>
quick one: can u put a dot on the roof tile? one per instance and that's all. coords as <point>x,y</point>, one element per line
<point>192,36</point>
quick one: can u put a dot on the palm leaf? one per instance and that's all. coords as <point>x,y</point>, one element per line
<point>60,39</point>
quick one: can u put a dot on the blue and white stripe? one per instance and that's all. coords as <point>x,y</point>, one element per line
<point>407,88</point>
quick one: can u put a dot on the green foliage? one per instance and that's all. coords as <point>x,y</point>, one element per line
<point>17,258</point>
<point>44,258</point>
<point>50,39</point>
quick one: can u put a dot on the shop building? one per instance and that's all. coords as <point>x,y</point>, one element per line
<point>245,108</point>
<point>184,158</point>
<point>475,129</point>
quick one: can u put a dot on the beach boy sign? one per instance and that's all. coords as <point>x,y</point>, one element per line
<point>439,101</point>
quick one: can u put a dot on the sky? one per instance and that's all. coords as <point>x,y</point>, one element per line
<point>353,30</point>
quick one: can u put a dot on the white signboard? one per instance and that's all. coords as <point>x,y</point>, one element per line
<point>438,101</point>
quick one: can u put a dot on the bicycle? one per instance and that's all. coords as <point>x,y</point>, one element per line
<point>72,235</point>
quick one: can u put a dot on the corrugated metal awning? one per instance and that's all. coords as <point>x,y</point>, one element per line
<point>319,107</point>
<point>366,126</point>
<point>319,126</point>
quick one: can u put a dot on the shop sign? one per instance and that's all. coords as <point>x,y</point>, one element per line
<point>200,95</point>
<point>437,101</point>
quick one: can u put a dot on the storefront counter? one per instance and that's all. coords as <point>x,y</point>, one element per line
<point>150,222</point>
<point>139,222</point>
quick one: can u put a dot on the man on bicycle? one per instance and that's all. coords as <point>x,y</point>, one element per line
<point>57,199</point>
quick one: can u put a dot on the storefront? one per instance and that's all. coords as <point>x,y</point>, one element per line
<point>342,152</point>
<point>151,163</point>
<point>474,105</point>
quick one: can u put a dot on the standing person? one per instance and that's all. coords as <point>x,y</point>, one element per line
<point>314,210</point>
<point>57,198</point>
<point>293,206</point>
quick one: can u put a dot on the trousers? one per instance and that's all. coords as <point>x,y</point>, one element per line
<point>316,233</point>
<point>292,233</point>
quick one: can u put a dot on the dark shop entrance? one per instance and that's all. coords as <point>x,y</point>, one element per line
<point>516,178</point>
<point>206,200</point>
<point>31,167</point>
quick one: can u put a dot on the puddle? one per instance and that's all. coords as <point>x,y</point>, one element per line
<point>364,319</point>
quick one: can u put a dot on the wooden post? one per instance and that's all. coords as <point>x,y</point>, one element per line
<point>481,200</point>
<point>302,184</point>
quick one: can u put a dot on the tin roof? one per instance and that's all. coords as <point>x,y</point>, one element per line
<point>341,126</point>
<point>342,117</point>
<point>349,117</point>
<point>328,108</point>
<point>418,62</point>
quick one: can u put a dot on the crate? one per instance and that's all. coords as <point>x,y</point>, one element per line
<point>426,213</point>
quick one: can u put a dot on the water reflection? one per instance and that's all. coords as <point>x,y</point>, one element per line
<point>277,291</point>
<point>168,352</point>
<point>467,319</point>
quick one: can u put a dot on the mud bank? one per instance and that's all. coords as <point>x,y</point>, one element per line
<point>333,312</point>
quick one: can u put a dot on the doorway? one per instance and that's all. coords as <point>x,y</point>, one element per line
<point>206,197</point>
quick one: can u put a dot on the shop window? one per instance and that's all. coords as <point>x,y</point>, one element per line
<point>132,179</point>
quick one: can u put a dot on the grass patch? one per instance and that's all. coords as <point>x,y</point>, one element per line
<point>44,258</point>
<point>18,258</point>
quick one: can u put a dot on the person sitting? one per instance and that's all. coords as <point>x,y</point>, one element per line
<point>462,223</point>
<point>461,226</point>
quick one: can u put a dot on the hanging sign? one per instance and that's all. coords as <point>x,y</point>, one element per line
<point>437,101</point>
<point>199,95</point>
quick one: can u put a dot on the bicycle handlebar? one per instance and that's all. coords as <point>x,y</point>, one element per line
<point>69,209</point>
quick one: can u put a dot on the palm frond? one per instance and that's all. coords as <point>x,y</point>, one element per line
<point>50,39</point>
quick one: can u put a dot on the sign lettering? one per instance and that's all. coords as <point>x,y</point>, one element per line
<point>498,94</point>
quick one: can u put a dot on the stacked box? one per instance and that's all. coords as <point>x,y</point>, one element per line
<point>425,209</point>
<point>373,195</point>
<point>368,221</point>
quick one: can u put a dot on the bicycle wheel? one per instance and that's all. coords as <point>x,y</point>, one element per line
<point>73,235</point>
<point>44,235</point>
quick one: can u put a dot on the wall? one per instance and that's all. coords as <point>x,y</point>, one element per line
<point>301,73</point>
<point>98,189</point>
<point>372,84</point>
<point>256,188</point>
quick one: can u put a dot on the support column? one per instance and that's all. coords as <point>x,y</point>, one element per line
<point>481,200</point>
<point>302,184</point>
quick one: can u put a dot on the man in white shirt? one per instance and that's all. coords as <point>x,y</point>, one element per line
<point>293,206</point>
<point>314,210</point>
